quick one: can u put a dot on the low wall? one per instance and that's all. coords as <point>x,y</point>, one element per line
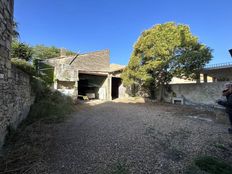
<point>15,101</point>
<point>197,94</point>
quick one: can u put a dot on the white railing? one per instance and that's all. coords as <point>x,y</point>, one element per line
<point>219,65</point>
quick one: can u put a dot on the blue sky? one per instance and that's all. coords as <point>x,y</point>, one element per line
<point>89,25</point>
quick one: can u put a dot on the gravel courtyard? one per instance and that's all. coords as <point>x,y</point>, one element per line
<point>133,137</point>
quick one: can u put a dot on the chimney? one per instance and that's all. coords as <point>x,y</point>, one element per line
<point>62,52</point>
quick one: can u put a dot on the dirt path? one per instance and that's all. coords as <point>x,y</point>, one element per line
<point>135,138</point>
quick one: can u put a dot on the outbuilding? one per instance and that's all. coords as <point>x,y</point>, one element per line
<point>89,74</point>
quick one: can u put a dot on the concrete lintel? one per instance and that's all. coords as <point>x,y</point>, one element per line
<point>93,73</point>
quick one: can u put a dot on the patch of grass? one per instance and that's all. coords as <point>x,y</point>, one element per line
<point>120,169</point>
<point>24,148</point>
<point>192,169</point>
<point>220,146</point>
<point>24,66</point>
<point>213,165</point>
<point>51,107</point>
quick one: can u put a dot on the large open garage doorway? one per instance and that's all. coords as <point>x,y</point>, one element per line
<point>116,82</point>
<point>92,86</point>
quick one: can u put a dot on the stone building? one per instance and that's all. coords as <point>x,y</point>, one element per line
<point>15,90</point>
<point>89,74</point>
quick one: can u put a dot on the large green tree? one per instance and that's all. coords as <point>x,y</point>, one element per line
<point>162,52</point>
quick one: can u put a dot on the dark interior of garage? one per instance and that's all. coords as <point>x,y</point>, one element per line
<point>90,84</point>
<point>116,82</point>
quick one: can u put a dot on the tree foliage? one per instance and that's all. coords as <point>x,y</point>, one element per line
<point>21,50</point>
<point>15,33</point>
<point>45,52</point>
<point>162,52</point>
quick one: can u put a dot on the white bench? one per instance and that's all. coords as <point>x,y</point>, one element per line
<point>177,100</point>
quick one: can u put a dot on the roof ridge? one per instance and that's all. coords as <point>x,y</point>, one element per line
<point>59,58</point>
<point>73,56</point>
<point>94,51</point>
<point>116,64</point>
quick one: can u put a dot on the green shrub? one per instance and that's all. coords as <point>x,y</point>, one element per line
<point>46,73</point>
<point>24,66</point>
<point>21,50</point>
<point>213,165</point>
<point>38,86</point>
<point>50,106</point>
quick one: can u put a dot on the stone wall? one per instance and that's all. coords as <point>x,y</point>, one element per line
<point>15,101</point>
<point>15,90</point>
<point>204,94</point>
<point>20,97</point>
<point>6,19</point>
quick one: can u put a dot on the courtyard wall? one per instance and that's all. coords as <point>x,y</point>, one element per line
<point>204,94</point>
<point>16,96</point>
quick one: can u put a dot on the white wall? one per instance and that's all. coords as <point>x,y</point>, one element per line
<point>197,94</point>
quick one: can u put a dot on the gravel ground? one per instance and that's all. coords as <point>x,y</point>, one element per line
<point>135,137</point>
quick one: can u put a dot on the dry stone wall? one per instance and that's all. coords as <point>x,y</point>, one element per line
<point>6,16</point>
<point>15,90</point>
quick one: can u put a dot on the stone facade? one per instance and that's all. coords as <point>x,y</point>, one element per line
<point>15,90</point>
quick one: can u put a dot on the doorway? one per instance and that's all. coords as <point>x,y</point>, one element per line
<point>92,86</point>
<point>116,82</point>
